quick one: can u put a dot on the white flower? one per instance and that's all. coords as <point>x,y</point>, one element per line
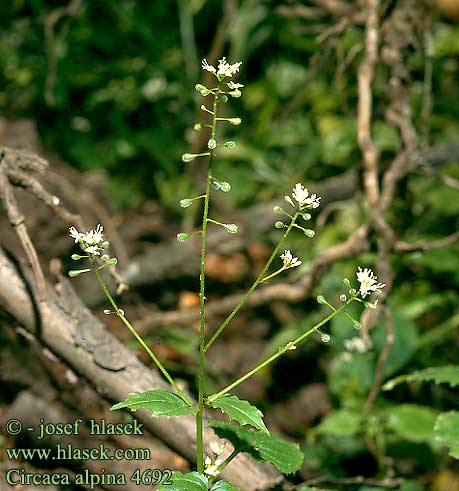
<point>313,200</point>
<point>94,237</point>
<point>227,70</point>
<point>211,469</point>
<point>206,66</point>
<point>301,195</point>
<point>356,344</point>
<point>217,448</point>
<point>90,241</point>
<point>368,282</point>
<point>289,260</point>
<point>94,250</point>
<point>75,234</point>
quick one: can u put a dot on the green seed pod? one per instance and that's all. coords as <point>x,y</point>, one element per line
<point>231,228</point>
<point>188,157</point>
<point>186,202</point>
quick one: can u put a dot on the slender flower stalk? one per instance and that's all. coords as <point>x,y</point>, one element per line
<point>132,329</point>
<point>288,347</point>
<point>259,280</point>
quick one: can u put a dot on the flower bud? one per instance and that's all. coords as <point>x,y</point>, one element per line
<point>289,200</point>
<point>347,282</point>
<point>356,324</point>
<point>202,89</point>
<point>224,98</point>
<point>279,224</point>
<point>105,257</point>
<point>104,244</point>
<point>325,337</point>
<point>321,300</point>
<point>235,121</point>
<point>306,216</point>
<point>309,233</point>
<point>230,144</point>
<point>182,236</point>
<point>112,262</point>
<point>198,126</point>
<point>75,257</point>
<point>188,157</point>
<point>185,202</point>
<point>278,209</point>
<point>343,298</point>
<point>225,186</point>
<point>212,143</point>
<point>235,93</point>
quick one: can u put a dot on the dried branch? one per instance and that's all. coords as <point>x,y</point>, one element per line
<point>402,246</point>
<point>17,221</point>
<point>364,114</point>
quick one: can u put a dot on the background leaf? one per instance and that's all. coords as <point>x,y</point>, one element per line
<point>412,422</point>
<point>447,431</point>
<point>439,375</point>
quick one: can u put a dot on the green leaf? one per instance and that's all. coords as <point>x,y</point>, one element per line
<point>225,486</point>
<point>412,422</point>
<point>341,422</point>
<point>192,481</point>
<point>241,411</point>
<point>447,431</point>
<point>160,402</point>
<point>439,375</point>
<point>286,456</point>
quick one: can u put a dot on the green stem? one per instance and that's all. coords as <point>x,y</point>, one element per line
<point>252,288</point>
<point>200,412</point>
<point>139,338</point>
<point>281,351</point>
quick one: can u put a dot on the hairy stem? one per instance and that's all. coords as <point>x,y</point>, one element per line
<point>252,288</point>
<point>281,351</point>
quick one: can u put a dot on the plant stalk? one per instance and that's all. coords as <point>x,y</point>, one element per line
<point>138,337</point>
<point>202,299</point>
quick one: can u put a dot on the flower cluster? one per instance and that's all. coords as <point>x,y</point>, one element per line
<point>289,260</point>
<point>212,465</point>
<point>368,282</point>
<point>223,70</point>
<point>91,242</point>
